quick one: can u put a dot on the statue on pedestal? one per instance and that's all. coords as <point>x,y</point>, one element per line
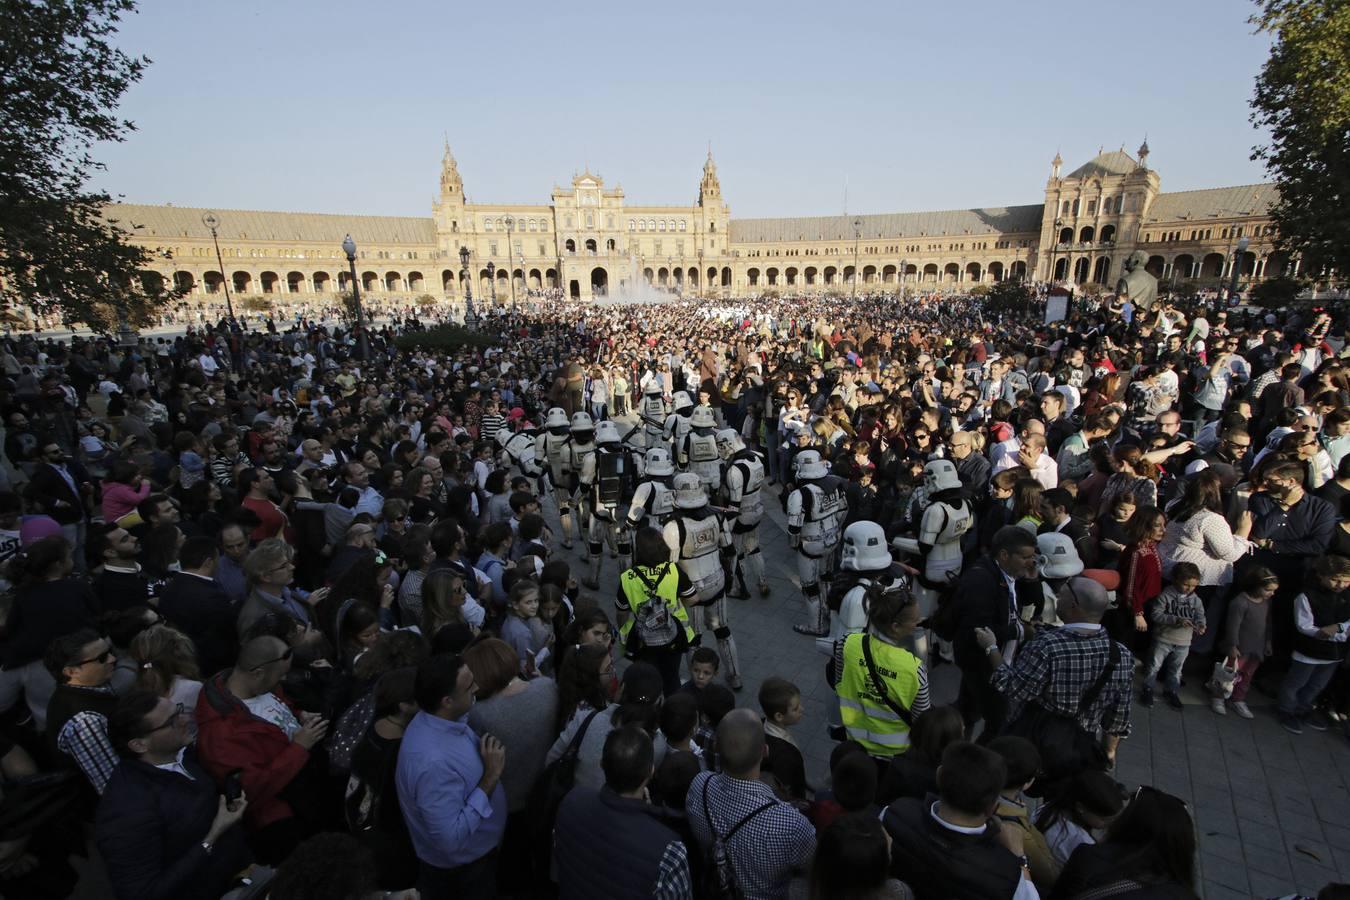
<point>1137,283</point>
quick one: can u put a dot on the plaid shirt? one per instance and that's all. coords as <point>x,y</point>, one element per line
<point>767,850</point>
<point>672,880</point>
<point>85,739</point>
<point>1055,669</point>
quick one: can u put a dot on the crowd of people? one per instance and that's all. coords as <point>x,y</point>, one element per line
<point>301,612</point>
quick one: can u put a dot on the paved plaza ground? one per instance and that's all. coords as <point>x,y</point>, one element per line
<point>1272,809</point>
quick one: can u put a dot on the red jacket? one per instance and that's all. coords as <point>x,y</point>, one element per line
<point>229,737</point>
<point>1140,576</point>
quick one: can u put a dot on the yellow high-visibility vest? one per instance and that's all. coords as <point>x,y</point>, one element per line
<point>667,588</point>
<point>867,717</point>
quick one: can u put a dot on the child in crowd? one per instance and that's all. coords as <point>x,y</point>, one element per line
<point>1110,530</point>
<point>703,665</point>
<point>853,786</point>
<point>1140,570</point>
<point>1322,623</point>
<point>1079,810</point>
<point>522,607</point>
<point>1178,615</point>
<point>781,702</point>
<point>713,704</point>
<point>679,721</point>
<point>1246,634</point>
<point>1023,761</point>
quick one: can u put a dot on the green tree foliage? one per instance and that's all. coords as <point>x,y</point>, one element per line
<point>1276,293</point>
<point>1009,297</point>
<point>1303,97</point>
<point>62,79</point>
<point>446,338</point>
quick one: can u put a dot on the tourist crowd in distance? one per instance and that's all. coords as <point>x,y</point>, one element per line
<point>285,621</point>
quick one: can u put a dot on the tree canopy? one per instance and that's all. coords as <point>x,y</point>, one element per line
<point>1303,97</point>
<point>62,80</point>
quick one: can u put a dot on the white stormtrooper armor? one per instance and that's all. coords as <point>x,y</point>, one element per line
<point>742,478</point>
<point>945,520</point>
<point>697,539</point>
<point>653,412</point>
<point>698,452</point>
<point>653,500</point>
<point>677,423</point>
<point>816,510</point>
<point>516,449</point>
<point>581,447</point>
<point>553,446</point>
<point>608,477</point>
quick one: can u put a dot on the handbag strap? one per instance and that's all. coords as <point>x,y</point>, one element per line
<point>1090,695</point>
<point>881,685</point>
<point>574,747</point>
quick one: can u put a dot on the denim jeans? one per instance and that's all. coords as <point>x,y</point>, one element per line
<point>1169,658</point>
<point>1301,686</point>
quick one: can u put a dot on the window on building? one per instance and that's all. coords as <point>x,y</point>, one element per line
<point>682,224</point>
<point>632,226</point>
<point>492,248</point>
<point>487,224</point>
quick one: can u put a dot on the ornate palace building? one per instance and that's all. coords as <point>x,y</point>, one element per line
<point>589,241</point>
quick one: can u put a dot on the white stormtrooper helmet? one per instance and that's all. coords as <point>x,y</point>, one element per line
<point>681,401</point>
<point>581,421</point>
<point>658,463</point>
<point>865,548</point>
<point>607,433</point>
<point>653,388</point>
<point>940,475</point>
<point>729,442</point>
<point>703,418</point>
<point>808,465</point>
<point>689,492</point>
<point>1057,557</point>
<point>556,418</point>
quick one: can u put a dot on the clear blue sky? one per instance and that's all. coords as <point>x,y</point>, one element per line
<point>341,106</point>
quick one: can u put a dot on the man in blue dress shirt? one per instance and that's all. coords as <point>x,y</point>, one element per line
<point>448,785</point>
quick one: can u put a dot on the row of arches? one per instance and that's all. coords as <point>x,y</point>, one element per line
<point>1087,234</point>
<point>1211,266</point>
<point>829,276</point>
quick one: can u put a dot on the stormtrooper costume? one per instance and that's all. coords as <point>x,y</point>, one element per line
<point>698,452</point>
<point>816,510</point>
<point>698,542</point>
<point>516,450</point>
<point>552,447</point>
<point>677,423</point>
<point>946,518</point>
<point>864,561</point>
<point>580,448</point>
<point>608,479</point>
<point>742,479</point>
<point>652,411</point>
<point>653,500</point>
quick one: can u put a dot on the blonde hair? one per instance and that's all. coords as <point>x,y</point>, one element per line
<point>163,655</point>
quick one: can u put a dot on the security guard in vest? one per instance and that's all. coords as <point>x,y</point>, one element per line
<point>881,686</point>
<point>654,625</point>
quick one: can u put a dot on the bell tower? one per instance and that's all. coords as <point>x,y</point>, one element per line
<point>709,189</point>
<point>449,206</point>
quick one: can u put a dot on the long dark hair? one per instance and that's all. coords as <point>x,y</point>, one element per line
<point>852,860</point>
<point>579,682</point>
<point>1203,493</point>
<point>1157,828</point>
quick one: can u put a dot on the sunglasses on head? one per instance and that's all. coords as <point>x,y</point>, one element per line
<point>289,652</point>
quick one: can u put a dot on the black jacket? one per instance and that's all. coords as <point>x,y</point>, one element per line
<point>608,846</point>
<point>981,601</point>
<point>149,829</point>
<point>941,864</point>
<point>50,486</point>
<point>199,608</point>
<point>1098,865</point>
<point>43,612</point>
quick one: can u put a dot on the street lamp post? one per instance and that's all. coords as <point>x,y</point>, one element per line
<point>904,264</point>
<point>211,222</point>
<point>1054,246</point>
<point>492,280</point>
<point>349,248</point>
<point>1242,245</point>
<point>510,260</point>
<point>857,236</point>
<point>468,287</point>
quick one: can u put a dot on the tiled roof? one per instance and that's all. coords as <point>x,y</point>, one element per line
<point>993,220</point>
<point>1229,202</point>
<point>1117,162</point>
<point>176,222</point>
